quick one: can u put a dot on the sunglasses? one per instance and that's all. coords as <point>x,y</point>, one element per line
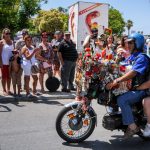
<point>28,40</point>
<point>8,33</point>
<point>67,35</point>
<point>25,33</point>
<point>14,52</point>
<point>44,36</point>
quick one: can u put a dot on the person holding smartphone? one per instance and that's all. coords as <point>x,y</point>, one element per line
<point>45,56</point>
<point>28,54</point>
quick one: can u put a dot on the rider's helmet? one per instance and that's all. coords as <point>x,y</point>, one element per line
<point>138,39</point>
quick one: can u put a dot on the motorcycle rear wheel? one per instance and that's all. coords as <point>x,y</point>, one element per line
<point>71,139</point>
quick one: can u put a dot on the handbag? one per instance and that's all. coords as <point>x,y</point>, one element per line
<point>46,65</point>
<point>34,69</point>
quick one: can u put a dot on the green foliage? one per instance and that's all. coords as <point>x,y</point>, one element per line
<point>8,11</point>
<point>51,21</point>
<point>16,14</point>
<point>116,21</point>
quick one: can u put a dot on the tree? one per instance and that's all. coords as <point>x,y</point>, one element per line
<point>51,21</point>
<point>8,11</point>
<point>15,14</point>
<point>27,9</point>
<point>129,24</point>
<point>116,21</point>
<point>61,9</point>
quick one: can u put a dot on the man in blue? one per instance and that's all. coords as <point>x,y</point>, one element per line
<point>140,66</point>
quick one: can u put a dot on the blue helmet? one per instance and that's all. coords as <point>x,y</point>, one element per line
<point>139,40</point>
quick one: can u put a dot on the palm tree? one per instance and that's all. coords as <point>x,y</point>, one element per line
<point>129,24</point>
<point>63,10</point>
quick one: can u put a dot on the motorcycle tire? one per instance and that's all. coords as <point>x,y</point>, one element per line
<point>52,84</point>
<point>66,138</point>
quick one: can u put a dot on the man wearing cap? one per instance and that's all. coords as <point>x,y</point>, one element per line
<point>68,56</point>
<point>20,43</point>
<point>55,43</point>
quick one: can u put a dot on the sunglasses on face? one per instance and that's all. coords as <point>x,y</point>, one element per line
<point>67,34</point>
<point>8,33</point>
<point>25,33</point>
<point>14,52</point>
<point>44,36</point>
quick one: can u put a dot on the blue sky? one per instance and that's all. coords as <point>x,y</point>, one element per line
<point>136,10</point>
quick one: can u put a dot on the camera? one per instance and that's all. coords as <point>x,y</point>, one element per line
<point>55,47</point>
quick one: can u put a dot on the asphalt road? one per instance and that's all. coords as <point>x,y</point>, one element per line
<point>31,126</point>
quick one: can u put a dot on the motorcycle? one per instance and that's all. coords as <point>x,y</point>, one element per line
<point>77,120</point>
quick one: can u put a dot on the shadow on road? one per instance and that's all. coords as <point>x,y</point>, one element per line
<point>4,108</point>
<point>49,102</point>
<point>113,144</point>
<point>16,103</point>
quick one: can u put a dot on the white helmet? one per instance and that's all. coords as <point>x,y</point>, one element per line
<point>147,41</point>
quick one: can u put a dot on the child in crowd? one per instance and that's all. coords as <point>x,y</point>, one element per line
<point>16,71</point>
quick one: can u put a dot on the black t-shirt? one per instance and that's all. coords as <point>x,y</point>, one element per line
<point>68,50</point>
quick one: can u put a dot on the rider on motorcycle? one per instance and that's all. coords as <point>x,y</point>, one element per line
<point>139,64</point>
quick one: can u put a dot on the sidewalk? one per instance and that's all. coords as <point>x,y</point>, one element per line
<point>46,96</point>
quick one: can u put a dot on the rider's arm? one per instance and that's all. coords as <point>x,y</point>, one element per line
<point>131,74</point>
<point>144,86</point>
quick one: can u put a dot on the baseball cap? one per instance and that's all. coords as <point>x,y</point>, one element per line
<point>67,32</point>
<point>57,32</point>
<point>24,31</point>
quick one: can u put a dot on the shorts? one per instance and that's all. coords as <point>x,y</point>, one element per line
<point>5,72</point>
<point>16,77</point>
<point>27,70</point>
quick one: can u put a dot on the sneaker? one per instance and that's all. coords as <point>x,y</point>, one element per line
<point>146,131</point>
<point>129,132</point>
<point>65,90</point>
<point>10,93</point>
<point>15,95</point>
<point>37,94</point>
<point>19,96</point>
<point>30,96</point>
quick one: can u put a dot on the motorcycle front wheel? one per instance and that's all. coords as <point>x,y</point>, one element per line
<point>73,128</point>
